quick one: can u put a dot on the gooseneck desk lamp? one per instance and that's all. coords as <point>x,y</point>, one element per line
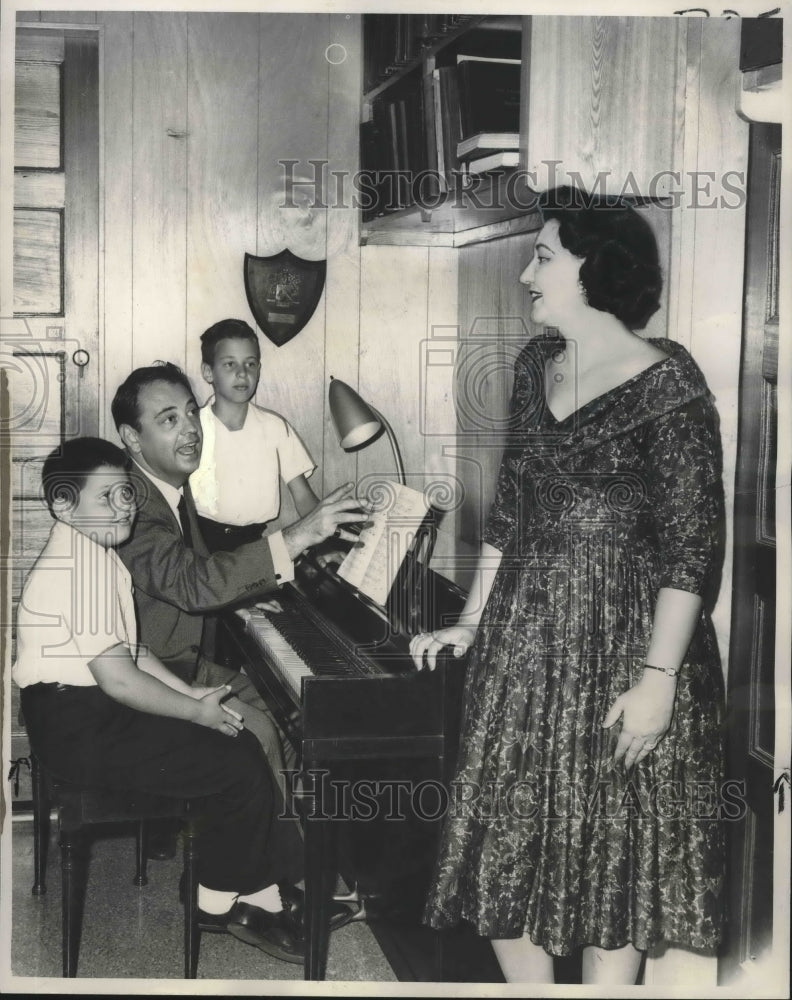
<point>357,422</point>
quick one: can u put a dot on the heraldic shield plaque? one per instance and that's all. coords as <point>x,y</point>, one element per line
<point>283,291</point>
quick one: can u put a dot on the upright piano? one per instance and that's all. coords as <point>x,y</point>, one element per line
<point>375,741</point>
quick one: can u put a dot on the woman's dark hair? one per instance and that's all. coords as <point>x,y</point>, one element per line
<point>69,465</point>
<point>621,270</point>
<point>226,329</point>
<point>125,407</point>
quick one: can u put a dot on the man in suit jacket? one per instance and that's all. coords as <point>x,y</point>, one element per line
<point>176,581</point>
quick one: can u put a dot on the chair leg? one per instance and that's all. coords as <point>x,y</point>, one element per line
<point>141,860</point>
<point>41,827</point>
<point>192,933</point>
<point>73,874</point>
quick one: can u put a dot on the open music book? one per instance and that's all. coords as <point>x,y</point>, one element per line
<point>372,566</point>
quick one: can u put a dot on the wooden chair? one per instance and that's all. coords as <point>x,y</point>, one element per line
<point>80,807</point>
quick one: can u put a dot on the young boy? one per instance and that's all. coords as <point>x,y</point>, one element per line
<point>247,450</point>
<point>101,711</point>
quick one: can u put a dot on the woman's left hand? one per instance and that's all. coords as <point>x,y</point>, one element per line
<point>645,710</point>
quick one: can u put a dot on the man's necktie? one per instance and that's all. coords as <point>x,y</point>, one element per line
<point>184,520</point>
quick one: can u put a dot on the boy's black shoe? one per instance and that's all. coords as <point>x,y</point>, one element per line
<point>272,933</point>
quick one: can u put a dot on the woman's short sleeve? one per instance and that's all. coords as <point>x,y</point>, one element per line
<point>686,493</point>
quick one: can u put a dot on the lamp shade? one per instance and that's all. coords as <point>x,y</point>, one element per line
<point>355,421</point>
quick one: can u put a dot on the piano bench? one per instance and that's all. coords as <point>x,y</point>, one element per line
<point>79,807</point>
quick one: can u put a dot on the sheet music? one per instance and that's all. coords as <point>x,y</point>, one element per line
<point>371,567</point>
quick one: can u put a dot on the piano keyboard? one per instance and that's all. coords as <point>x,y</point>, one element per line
<point>296,646</point>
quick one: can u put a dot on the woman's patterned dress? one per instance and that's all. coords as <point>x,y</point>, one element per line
<point>593,514</point>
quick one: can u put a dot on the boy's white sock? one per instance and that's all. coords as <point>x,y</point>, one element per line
<point>267,899</point>
<point>217,902</point>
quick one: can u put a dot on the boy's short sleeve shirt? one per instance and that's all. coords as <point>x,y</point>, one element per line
<point>238,480</point>
<point>76,604</point>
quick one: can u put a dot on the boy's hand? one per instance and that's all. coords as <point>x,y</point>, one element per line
<point>326,519</point>
<point>213,715</point>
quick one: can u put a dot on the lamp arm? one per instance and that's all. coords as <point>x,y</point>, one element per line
<point>394,445</point>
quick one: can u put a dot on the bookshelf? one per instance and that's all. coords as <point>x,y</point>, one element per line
<point>429,82</point>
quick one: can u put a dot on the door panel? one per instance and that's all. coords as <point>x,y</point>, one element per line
<point>56,281</point>
<point>751,703</point>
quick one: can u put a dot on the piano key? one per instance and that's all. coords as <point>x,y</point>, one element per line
<point>295,646</point>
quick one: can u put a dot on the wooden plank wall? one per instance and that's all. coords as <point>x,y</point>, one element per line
<point>198,111</point>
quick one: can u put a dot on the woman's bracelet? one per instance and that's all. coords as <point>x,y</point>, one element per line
<point>671,671</point>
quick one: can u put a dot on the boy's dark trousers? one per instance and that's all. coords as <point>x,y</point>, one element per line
<point>82,735</point>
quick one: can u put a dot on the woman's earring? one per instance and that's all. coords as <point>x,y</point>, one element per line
<point>582,290</point>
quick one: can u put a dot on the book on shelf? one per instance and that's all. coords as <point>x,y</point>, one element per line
<point>488,142</point>
<point>489,97</point>
<point>371,160</point>
<point>448,123</point>
<point>371,566</point>
<point>504,159</point>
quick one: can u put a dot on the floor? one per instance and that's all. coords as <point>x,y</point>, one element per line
<point>132,932</point>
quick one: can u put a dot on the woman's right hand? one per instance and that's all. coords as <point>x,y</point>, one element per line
<point>213,715</point>
<point>425,646</point>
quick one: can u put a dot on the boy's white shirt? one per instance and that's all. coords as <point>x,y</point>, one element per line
<point>239,481</point>
<point>76,604</point>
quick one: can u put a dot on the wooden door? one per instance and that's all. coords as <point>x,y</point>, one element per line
<point>51,344</point>
<point>751,703</point>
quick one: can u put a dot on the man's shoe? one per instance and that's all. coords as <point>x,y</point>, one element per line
<point>293,900</point>
<point>270,932</point>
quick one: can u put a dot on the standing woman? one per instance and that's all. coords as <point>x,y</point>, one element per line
<point>586,812</point>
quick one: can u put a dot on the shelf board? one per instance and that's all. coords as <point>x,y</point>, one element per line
<point>495,204</point>
<point>459,220</point>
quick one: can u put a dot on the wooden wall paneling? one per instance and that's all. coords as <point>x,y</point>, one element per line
<point>683,230</point>
<point>342,288</point>
<point>660,218</point>
<point>116,325</point>
<point>579,111</point>
<point>222,172</point>
<point>28,15</point>
<point>293,65</point>
<point>69,16</point>
<point>81,221</point>
<point>494,307</point>
<point>437,412</point>
<point>159,166</point>
<point>393,316</point>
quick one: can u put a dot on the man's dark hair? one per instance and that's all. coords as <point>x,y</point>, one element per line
<point>69,465</point>
<point>621,268</point>
<point>125,406</point>
<point>226,329</point>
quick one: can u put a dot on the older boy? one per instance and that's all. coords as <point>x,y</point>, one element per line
<point>247,450</point>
